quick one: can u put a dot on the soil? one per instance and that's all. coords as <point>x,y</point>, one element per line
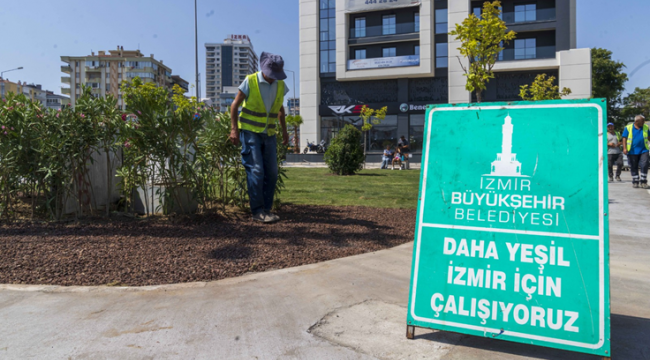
<point>136,252</point>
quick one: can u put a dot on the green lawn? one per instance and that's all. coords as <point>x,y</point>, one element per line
<point>372,188</point>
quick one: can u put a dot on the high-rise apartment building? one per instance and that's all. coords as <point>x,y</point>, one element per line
<point>227,64</point>
<point>398,54</point>
<point>104,72</point>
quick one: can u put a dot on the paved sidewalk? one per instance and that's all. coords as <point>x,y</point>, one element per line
<point>352,308</point>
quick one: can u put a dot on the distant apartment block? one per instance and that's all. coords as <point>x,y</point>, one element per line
<point>55,101</point>
<point>293,106</point>
<point>227,64</point>
<point>105,71</point>
<point>184,84</point>
<point>33,91</point>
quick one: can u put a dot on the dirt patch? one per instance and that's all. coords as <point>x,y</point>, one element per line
<point>199,248</point>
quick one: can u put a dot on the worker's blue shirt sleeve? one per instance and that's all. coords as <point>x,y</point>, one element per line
<point>245,88</point>
<point>625,133</point>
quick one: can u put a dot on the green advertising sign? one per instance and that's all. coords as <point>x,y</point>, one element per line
<point>512,237</point>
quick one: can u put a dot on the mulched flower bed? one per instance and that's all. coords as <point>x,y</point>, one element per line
<point>138,252</point>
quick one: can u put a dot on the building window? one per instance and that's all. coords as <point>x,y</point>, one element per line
<point>416,20</point>
<point>525,49</point>
<point>360,27</point>
<point>389,52</point>
<point>416,132</point>
<point>442,52</point>
<point>441,21</point>
<point>417,50</point>
<point>327,36</point>
<point>477,11</point>
<point>525,12</point>
<point>360,54</point>
<point>388,25</point>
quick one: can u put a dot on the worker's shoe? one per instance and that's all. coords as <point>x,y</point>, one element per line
<point>271,217</point>
<point>635,185</point>
<point>618,178</point>
<point>261,217</point>
<point>611,179</point>
<point>644,186</point>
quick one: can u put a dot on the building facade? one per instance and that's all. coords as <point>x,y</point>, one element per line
<point>104,72</point>
<point>293,106</point>
<point>227,64</point>
<point>184,84</point>
<point>55,101</point>
<point>399,54</point>
<point>35,92</point>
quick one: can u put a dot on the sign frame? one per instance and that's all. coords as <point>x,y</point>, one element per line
<point>603,346</point>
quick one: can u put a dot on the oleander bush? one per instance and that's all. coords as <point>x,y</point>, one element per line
<point>164,141</point>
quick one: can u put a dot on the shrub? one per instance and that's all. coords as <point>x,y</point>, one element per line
<point>345,155</point>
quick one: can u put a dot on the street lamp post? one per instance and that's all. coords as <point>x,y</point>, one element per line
<point>196,54</point>
<point>294,90</point>
<point>1,73</point>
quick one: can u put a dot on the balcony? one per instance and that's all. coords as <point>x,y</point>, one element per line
<point>65,79</point>
<point>66,69</point>
<point>210,54</point>
<point>93,68</point>
<point>65,91</point>
<point>373,31</point>
<point>540,52</point>
<point>529,17</point>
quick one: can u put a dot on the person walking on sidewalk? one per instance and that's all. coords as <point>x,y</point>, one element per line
<point>635,146</point>
<point>614,153</point>
<point>262,95</point>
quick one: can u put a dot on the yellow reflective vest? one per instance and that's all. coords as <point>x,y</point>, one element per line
<point>253,116</point>
<point>630,130</point>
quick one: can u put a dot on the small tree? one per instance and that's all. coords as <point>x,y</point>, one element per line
<point>481,42</point>
<point>345,156</point>
<point>609,83</point>
<point>370,117</point>
<point>543,89</point>
<point>637,103</point>
<point>295,121</point>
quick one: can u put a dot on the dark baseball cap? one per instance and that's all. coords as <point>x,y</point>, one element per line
<point>272,66</point>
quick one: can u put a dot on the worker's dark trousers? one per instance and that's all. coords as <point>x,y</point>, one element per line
<point>615,159</point>
<point>638,167</point>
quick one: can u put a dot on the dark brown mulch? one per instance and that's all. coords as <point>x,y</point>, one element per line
<point>199,248</point>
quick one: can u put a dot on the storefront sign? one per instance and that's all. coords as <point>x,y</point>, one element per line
<point>387,62</point>
<point>373,5</point>
<point>512,234</point>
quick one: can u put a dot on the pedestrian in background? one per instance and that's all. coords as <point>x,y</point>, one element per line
<point>635,146</point>
<point>262,95</point>
<point>614,153</point>
<point>404,148</point>
<point>386,158</point>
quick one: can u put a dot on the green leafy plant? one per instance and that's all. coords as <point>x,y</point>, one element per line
<point>294,121</point>
<point>543,88</point>
<point>370,118</point>
<point>481,42</point>
<point>608,81</point>
<point>345,156</point>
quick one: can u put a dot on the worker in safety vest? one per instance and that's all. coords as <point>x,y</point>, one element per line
<point>262,95</point>
<point>614,153</point>
<point>635,146</point>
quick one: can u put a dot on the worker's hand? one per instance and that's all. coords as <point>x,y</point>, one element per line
<point>285,138</point>
<point>625,151</point>
<point>234,136</point>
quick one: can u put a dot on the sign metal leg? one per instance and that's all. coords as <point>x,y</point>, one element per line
<point>410,332</point>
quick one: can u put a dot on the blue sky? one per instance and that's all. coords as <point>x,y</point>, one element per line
<point>36,35</point>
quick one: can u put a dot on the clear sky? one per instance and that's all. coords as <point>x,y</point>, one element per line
<point>36,33</point>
